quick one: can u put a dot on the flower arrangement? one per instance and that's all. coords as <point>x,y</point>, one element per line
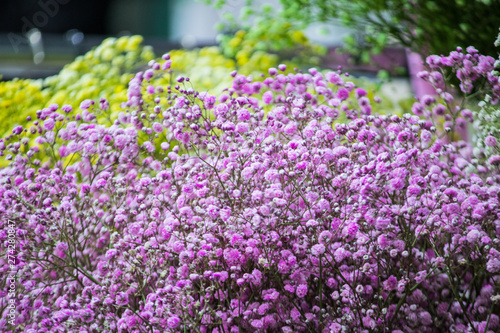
<point>476,80</point>
<point>251,211</point>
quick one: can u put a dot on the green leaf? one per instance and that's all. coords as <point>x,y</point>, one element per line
<point>365,57</point>
<point>383,75</point>
<point>228,16</point>
<point>219,26</point>
<point>267,9</point>
<point>400,70</point>
<point>246,12</point>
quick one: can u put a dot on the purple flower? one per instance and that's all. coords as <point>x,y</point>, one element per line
<point>257,323</point>
<point>267,97</point>
<point>494,160</point>
<point>439,109</point>
<point>67,108</point>
<point>173,321</point>
<point>493,265</point>
<point>425,318</point>
<point>391,283</point>
<point>157,127</point>
<point>290,128</point>
<point>427,100</point>
<point>369,322</point>
<point>122,299</point>
<point>221,276</point>
<point>242,127</point>
<point>383,242</point>
<point>49,124</point>
<point>490,141</point>
<point>86,104</point>
<point>360,92</point>
<point>343,94</point>
<point>301,291</point>
<point>87,315</point>
<point>417,109</point>
<point>318,249</point>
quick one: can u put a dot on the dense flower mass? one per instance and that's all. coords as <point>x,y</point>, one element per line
<point>202,213</point>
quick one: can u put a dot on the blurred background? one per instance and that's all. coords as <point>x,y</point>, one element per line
<point>72,27</point>
<point>39,37</point>
<point>67,51</point>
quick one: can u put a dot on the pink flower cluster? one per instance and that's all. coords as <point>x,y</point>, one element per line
<point>477,79</point>
<point>248,213</point>
<point>470,67</point>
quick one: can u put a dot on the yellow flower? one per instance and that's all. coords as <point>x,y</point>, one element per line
<point>299,37</point>
<point>133,43</point>
<point>94,75</point>
<point>240,34</point>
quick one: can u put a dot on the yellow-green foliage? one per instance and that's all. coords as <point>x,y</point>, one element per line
<point>207,68</point>
<point>270,37</point>
<point>103,72</point>
<point>18,99</point>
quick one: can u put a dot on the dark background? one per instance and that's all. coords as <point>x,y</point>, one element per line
<point>59,21</point>
<point>88,16</point>
<point>149,18</point>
